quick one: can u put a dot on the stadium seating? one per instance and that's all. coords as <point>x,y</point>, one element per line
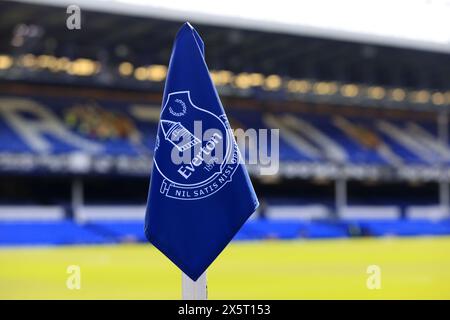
<point>66,232</point>
<point>63,232</point>
<point>71,130</point>
<point>70,135</point>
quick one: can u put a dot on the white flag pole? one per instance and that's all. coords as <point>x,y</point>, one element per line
<point>194,290</point>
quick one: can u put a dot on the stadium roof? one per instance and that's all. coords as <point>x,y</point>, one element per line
<point>418,24</point>
<point>110,39</point>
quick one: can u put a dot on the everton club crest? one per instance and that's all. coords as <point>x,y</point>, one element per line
<point>196,154</point>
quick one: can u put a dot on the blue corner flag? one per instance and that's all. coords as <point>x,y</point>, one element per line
<point>200,192</point>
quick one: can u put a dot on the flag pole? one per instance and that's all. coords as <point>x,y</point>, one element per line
<point>194,290</point>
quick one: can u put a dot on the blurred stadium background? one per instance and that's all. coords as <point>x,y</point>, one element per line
<point>360,93</point>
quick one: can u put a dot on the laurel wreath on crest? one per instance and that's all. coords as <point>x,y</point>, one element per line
<point>182,112</point>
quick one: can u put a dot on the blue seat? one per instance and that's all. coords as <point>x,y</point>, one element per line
<point>47,233</point>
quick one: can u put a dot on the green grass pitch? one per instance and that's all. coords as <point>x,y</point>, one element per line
<point>411,268</point>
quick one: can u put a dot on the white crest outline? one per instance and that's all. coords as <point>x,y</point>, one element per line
<point>230,148</point>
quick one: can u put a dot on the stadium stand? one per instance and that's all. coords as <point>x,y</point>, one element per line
<point>363,128</point>
<point>70,135</point>
<point>71,127</point>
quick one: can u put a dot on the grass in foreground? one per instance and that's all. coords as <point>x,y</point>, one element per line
<point>411,268</point>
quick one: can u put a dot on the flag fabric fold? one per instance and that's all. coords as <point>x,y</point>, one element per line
<point>200,193</point>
